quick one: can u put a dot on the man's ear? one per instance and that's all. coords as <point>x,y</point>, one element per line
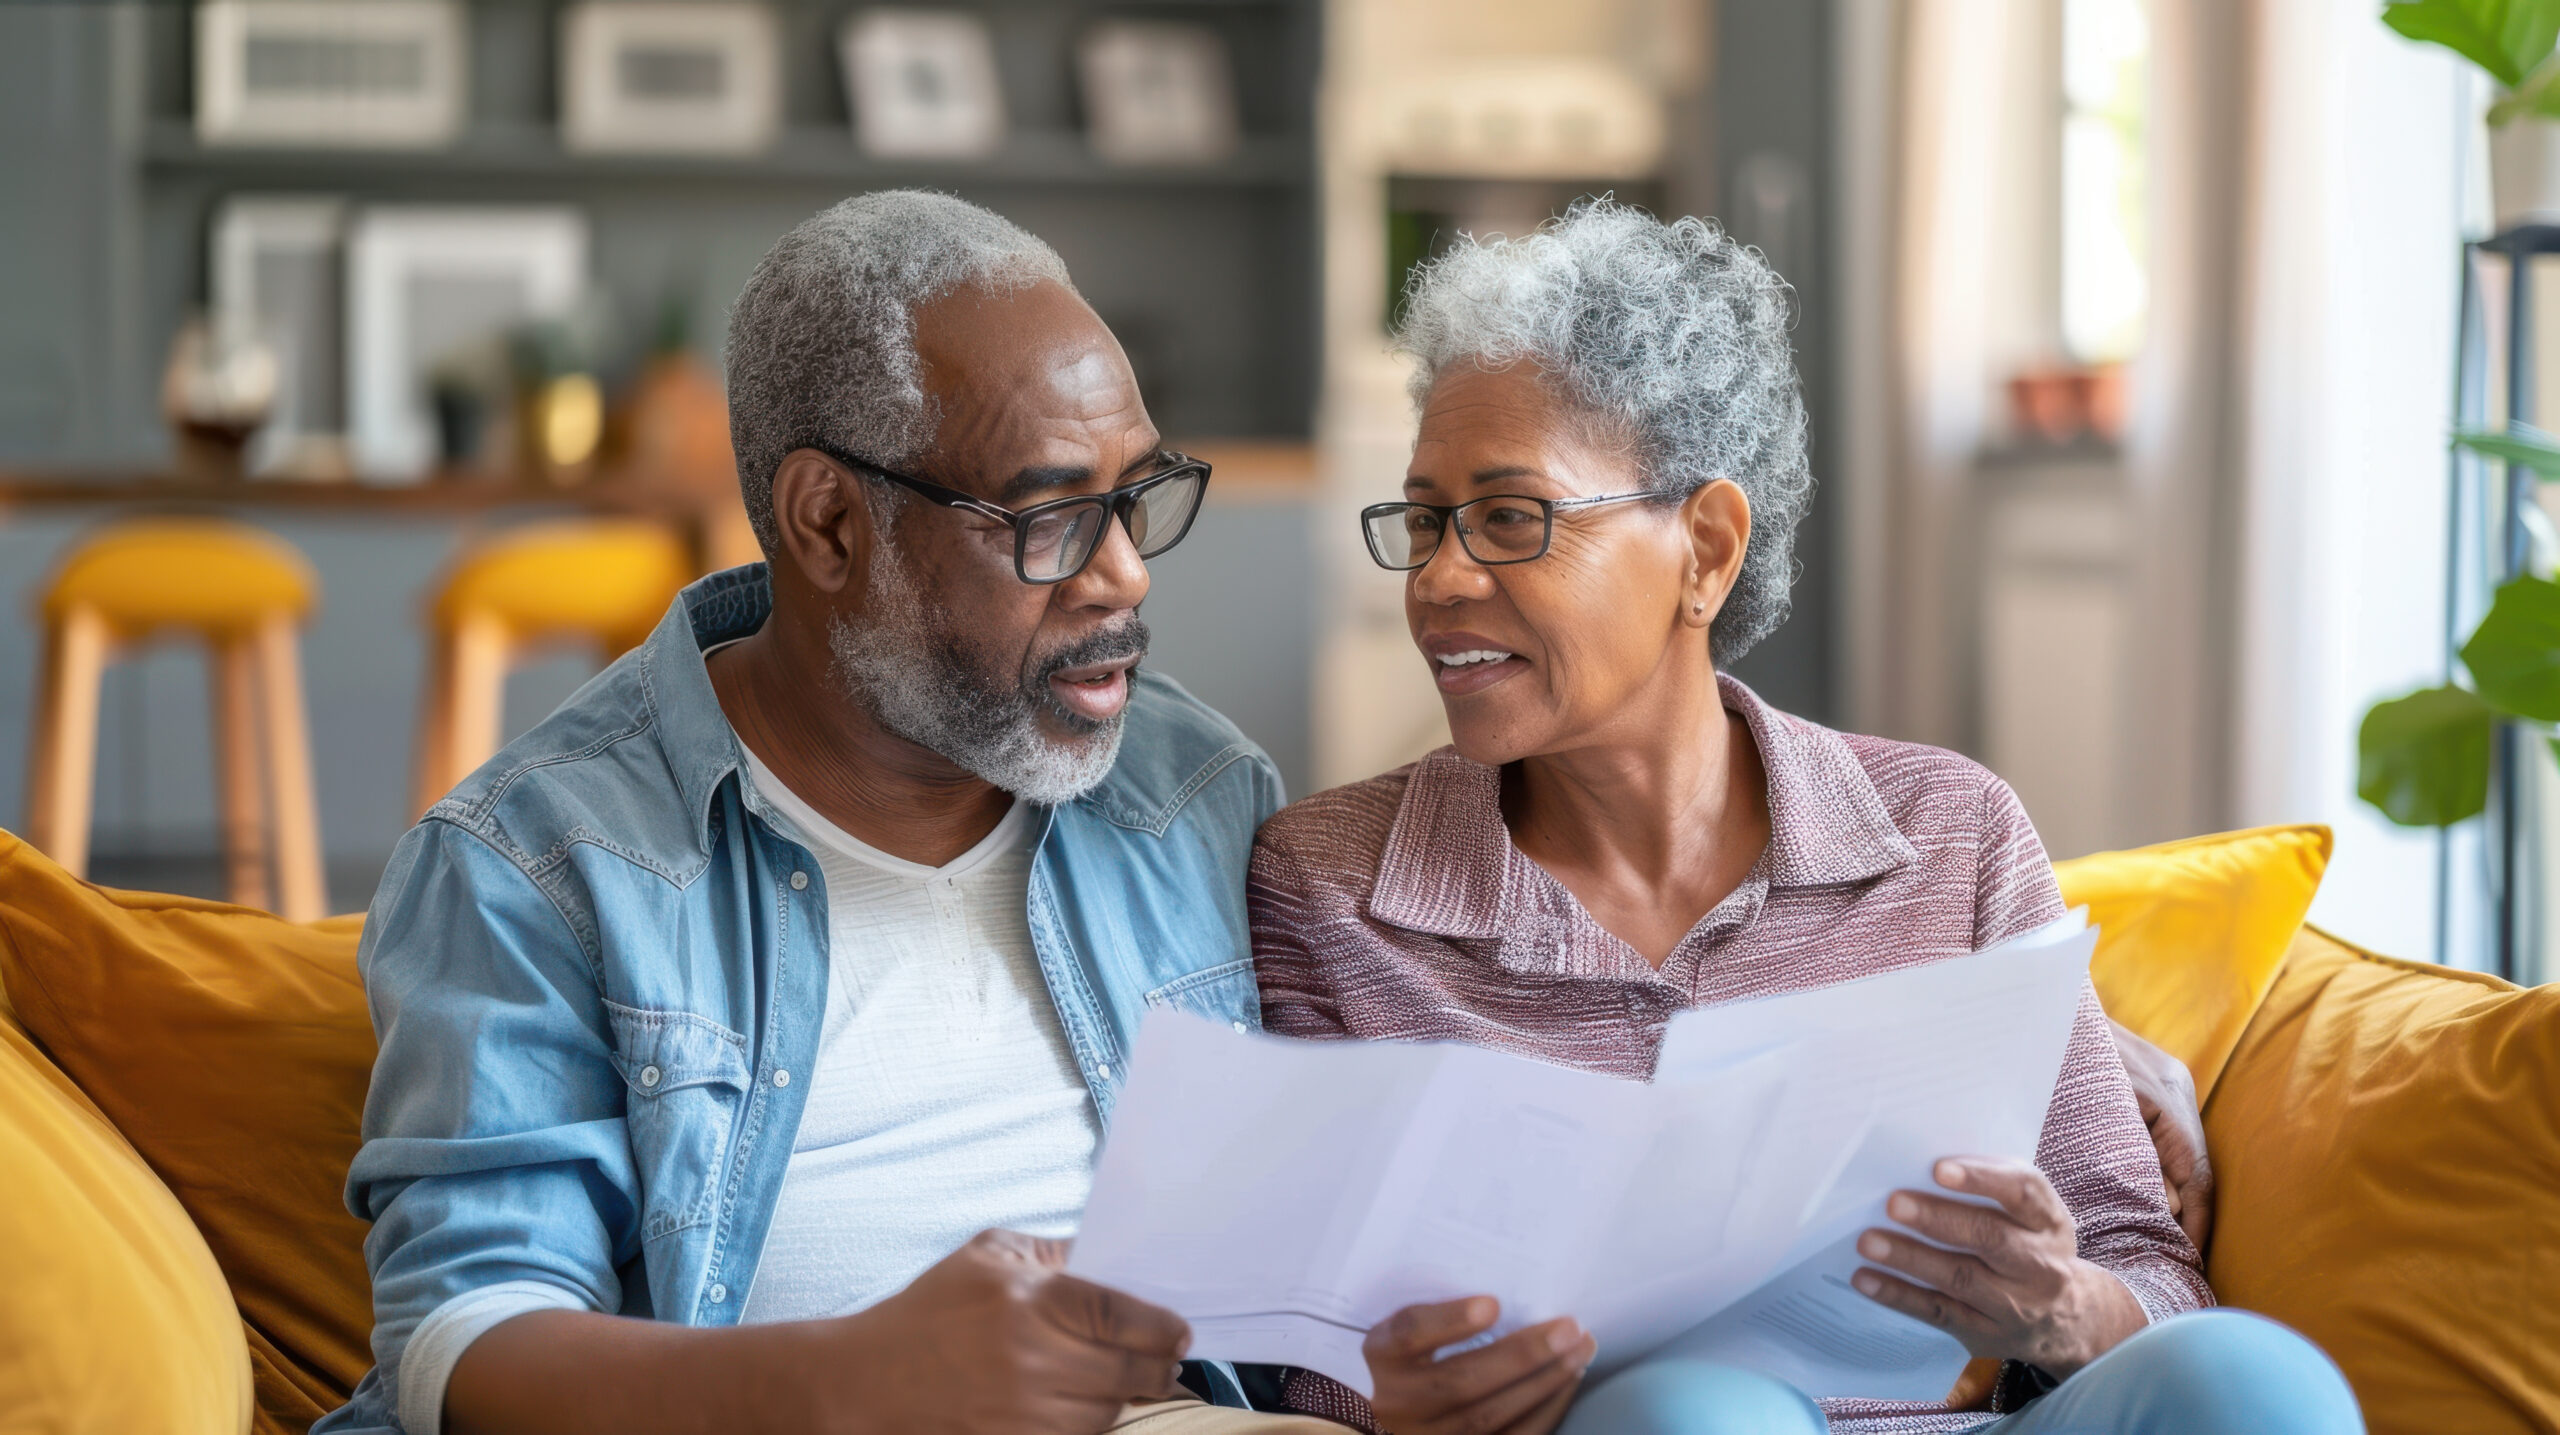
<point>1717,520</point>
<point>820,522</point>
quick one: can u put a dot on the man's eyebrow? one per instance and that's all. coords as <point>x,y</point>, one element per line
<point>1484,476</point>
<point>1031,481</point>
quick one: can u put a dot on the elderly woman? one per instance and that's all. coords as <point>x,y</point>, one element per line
<point>1598,518</point>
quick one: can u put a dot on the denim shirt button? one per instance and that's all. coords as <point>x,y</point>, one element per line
<point>782,1078</point>
<point>648,1076</point>
<point>799,881</point>
<point>1103,1071</point>
<point>718,1293</point>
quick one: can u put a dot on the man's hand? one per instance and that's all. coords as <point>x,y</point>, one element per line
<point>2009,1281</point>
<point>996,1339</point>
<point>1518,1385</point>
<point>2167,1095</point>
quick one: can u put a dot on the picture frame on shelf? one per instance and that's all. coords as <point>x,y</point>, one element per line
<point>277,270</point>
<point>669,77</point>
<point>1157,92</point>
<point>922,84</point>
<point>388,74</point>
<point>428,284</point>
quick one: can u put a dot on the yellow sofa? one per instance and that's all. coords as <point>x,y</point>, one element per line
<point>181,1083</point>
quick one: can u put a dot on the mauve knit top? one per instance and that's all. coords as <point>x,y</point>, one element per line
<point>1399,909</point>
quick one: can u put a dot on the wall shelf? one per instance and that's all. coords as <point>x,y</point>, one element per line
<point>802,154</point>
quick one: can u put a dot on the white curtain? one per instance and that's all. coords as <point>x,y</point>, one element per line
<point>2282,479</point>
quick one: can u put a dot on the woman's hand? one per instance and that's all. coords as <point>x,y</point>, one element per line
<point>2010,1282</point>
<point>2166,1092</point>
<point>1518,1385</point>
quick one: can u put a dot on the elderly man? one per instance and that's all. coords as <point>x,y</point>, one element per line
<point>774,988</point>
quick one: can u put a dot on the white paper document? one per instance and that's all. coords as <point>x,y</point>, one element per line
<point>1284,1196</point>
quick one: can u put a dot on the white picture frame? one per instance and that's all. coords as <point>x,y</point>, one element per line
<point>427,281</point>
<point>277,270</point>
<point>662,77</point>
<point>1157,92</point>
<point>387,74</point>
<point>922,84</point>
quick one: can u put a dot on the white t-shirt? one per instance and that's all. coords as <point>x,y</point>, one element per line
<point>945,1100</point>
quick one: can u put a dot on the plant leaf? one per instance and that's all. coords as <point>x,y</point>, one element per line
<point>2424,759</point>
<point>2507,38</point>
<point>2514,655</point>
<point>2519,443</point>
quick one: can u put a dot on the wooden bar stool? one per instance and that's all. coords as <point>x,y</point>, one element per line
<point>602,582</point>
<point>242,593</point>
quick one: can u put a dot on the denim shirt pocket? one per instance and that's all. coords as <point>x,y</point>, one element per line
<point>1225,992</point>
<point>688,1079</point>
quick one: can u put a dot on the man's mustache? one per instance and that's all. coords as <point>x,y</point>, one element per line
<point>1108,645</point>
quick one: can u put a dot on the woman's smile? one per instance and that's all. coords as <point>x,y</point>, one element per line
<point>1463,663</point>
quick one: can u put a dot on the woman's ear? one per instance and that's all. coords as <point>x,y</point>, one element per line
<point>1717,519</point>
<point>821,524</point>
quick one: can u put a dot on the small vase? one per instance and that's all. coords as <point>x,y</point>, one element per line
<point>2524,171</point>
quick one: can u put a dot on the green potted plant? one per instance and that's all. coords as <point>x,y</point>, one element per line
<point>2512,40</point>
<point>2424,758</point>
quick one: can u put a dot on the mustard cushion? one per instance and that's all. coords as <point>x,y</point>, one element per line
<point>232,1049</point>
<point>2190,933</point>
<point>114,1317</point>
<point>2387,1142</point>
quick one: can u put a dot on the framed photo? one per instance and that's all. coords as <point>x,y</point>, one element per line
<point>428,283</point>
<point>1157,93</point>
<point>669,78</point>
<point>923,84</point>
<point>276,267</point>
<point>386,74</point>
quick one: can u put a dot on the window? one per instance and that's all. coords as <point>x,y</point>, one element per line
<point>2106,53</point>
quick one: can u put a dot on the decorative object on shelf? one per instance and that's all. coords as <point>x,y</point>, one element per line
<point>641,77</point>
<point>219,388</point>
<point>1157,93</point>
<point>424,284</point>
<point>387,73</point>
<point>2065,403</point>
<point>923,84</point>
<point>559,413</point>
<point>1556,117</point>
<point>672,426</point>
<point>2512,40</point>
<point>275,265</point>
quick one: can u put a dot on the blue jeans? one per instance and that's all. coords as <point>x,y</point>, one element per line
<point>2216,1372</point>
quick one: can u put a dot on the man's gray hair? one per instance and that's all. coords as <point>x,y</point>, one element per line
<point>1673,336</point>
<point>822,341</point>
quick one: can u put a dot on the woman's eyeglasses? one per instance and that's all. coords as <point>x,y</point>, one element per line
<point>1052,542</point>
<point>1499,528</point>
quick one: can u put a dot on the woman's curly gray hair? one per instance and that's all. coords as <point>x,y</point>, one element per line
<point>1672,335</point>
<point>822,341</point>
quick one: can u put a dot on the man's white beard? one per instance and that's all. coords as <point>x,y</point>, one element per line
<point>933,689</point>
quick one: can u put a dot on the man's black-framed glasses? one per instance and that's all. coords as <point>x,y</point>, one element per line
<point>1498,528</point>
<point>1052,542</point>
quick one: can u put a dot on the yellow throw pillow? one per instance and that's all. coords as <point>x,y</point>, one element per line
<point>113,1316</point>
<point>2190,933</point>
<point>232,1049</point>
<point>2387,1144</point>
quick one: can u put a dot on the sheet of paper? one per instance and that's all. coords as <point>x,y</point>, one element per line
<point>1957,1058</point>
<point>1285,1196</point>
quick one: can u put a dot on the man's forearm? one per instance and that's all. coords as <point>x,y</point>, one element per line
<point>560,1372</point>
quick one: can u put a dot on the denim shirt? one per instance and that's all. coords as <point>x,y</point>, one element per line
<point>596,966</point>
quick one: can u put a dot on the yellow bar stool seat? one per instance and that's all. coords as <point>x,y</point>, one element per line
<point>600,582</point>
<point>243,594</point>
